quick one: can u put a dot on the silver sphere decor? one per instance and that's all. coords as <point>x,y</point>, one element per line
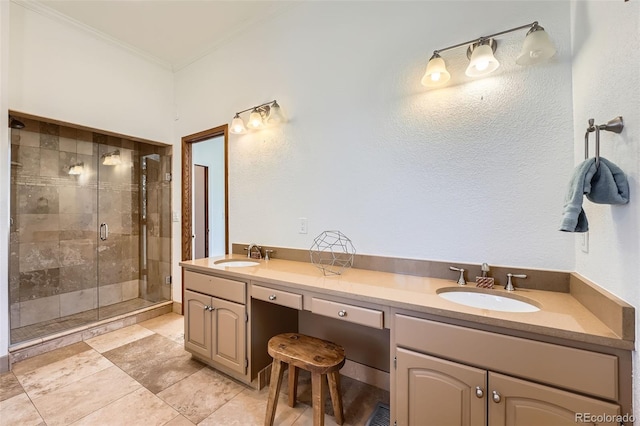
<point>332,252</point>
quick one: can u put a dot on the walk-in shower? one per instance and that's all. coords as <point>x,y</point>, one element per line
<point>90,227</point>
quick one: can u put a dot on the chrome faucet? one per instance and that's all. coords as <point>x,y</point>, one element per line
<point>253,251</point>
<point>509,286</point>
<point>461,280</point>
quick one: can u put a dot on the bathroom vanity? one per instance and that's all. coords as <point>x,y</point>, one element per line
<point>446,362</point>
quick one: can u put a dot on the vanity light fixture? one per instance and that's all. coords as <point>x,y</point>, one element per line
<point>261,115</point>
<point>76,169</point>
<point>537,48</point>
<point>111,158</point>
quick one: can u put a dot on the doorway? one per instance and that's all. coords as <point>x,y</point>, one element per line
<point>209,148</point>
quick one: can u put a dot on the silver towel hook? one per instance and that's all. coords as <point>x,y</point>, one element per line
<point>614,125</point>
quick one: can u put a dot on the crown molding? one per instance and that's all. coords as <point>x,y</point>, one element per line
<point>42,9</point>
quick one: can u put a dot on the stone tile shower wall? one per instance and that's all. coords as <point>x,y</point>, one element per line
<point>58,265</point>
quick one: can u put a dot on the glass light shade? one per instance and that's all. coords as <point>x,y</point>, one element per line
<point>255,119</point>
<point>275,114</point>
<point>436,73</point>
<point>482,61</point>
<point>537,47</point>
<point>237,125</point>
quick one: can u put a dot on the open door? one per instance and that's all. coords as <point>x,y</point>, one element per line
<point>200,212</point>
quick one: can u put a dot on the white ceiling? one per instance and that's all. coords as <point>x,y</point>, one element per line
<point>172,32</point>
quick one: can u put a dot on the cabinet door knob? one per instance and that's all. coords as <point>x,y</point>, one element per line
<point>496,397</point>
<point>479,392</point>
<point>272,297</point>
<point>206,307</point>
<point>211,309</point>
<point>342,313</point>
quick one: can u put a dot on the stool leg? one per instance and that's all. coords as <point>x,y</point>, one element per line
<point>274,391</point>
<point>336,397</point>
<point>317,395</point>
<point>293,385</point>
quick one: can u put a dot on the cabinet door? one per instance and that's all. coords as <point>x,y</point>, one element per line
<point>522,403</point>
<point>229,331</point>
<point>437,392</point>
<point>197,324</point>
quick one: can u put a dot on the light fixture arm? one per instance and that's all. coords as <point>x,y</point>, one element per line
<point>258,107</point>
<point>481,39</point>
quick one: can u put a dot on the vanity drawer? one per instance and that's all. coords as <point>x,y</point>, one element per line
<point>279,297</point>
<point>346,312</point>
<point>215,286</point>
<point>575,369</point>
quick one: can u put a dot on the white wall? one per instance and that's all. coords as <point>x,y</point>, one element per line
<point>210,153</point>
<point>4,180</point>
<point>61,72</point>
<point>473,173</point>
<point>606,83</point>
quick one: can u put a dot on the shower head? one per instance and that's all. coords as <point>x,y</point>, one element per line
<point>15,123</point>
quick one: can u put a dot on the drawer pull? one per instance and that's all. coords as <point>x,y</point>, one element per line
<point>479,392</point>
<point>342,313</point>
<point>272,297</point>
<point>496,397</point>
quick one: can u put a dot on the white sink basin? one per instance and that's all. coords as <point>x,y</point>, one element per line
<point>235,263</point>
<point>489,301</point>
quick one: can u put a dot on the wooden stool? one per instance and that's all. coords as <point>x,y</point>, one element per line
<point>317,356</point>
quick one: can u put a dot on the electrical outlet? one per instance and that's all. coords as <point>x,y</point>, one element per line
<point>302,225</point>
<point>176,217</point>
<point>584,242</point>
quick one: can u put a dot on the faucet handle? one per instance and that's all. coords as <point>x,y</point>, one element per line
<point>268,254</point>
<point>509,286</point>
<point>461,280</point>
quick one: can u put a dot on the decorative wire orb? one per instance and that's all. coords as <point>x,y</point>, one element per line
<point>332,252</point>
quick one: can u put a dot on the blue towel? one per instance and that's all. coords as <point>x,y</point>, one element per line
<point>606,184</point>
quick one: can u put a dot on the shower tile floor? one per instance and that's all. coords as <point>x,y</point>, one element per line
<point>141,375</point>
<point>46,328</point>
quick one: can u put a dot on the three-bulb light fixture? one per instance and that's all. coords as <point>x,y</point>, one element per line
<point>537,48</point>
<point>261,115</point>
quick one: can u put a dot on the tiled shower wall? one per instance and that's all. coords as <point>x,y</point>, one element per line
<point>58,265</point>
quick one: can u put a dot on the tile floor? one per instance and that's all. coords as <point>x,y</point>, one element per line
<point>141,375</point>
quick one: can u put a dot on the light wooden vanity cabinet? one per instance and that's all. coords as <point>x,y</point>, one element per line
<point>215,321</point>
<point>433,390</point>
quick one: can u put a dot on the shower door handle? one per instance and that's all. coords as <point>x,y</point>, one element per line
<point>104,231</point>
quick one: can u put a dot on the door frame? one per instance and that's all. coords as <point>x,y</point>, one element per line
<point>187,173</point>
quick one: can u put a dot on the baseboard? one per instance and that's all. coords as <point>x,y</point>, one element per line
<point>4,364</point>
<point>177,308</point>
<point>364,373</point>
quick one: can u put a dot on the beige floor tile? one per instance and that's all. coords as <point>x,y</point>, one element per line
<point>138,408</point>
<point>38,361</point>
<point>78,399</point>
<point>19,410</point>
<point>170,325</point>
<point>53,376</point>
<point>249,407</point>
<point>117,338</point>
<point>155,361</point>
<point>9,386</point>
<point>201,394</point>
<point>179,421</point>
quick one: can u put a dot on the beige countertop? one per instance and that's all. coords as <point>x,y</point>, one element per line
<point>561,315</point>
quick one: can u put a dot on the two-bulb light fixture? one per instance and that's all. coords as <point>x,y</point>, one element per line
<point>261,115</point>
<point>537,48</point>
<point>111,158</point>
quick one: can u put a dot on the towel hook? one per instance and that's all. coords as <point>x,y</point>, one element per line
<point>615,125</point>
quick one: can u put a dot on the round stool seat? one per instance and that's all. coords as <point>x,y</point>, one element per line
<point>320,357</point>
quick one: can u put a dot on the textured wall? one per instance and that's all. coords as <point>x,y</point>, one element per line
<point>604,34</point>
<point>473,173</point>
<point>61,72</point>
